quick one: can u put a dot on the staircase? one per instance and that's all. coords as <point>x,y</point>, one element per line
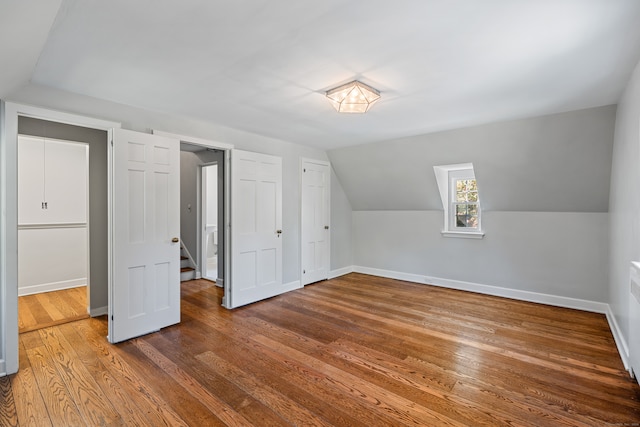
<point>187,265</point>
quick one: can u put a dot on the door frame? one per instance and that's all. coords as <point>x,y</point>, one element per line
<point>9,113</point>
<point>202,202</point>
<point>226,164</point>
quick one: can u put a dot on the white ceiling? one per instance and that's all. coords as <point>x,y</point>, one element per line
<point>263,65</point>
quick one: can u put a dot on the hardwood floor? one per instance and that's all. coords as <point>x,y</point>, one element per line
<point>51,308</point>
<point>352,351</point>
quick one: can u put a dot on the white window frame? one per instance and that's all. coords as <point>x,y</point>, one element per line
<point>446,177</point>
<point>454,176</point>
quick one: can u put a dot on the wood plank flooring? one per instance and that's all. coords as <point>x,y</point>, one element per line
<point>51,308</point>
<point>352,351</point>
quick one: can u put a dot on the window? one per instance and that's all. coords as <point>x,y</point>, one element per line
<point>460,200</point>
<point>465,209</point>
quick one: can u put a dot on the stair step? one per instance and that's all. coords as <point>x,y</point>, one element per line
<point>182,258</point>
<point>186,269</point>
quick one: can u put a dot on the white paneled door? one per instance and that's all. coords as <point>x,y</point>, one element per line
<point>315,221</point>
<point>256,228</point>
<point>145,285</point>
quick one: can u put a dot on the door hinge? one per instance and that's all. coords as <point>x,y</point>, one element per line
<point>304,170</point>
<point>112,317</point>
<point>304,271</point>
<point>112,142</point>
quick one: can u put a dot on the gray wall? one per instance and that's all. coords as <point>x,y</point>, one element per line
<point>189,167</point>
<point>555,163</point>
<point>544,190</point>
<point>562,254</point>
<point>341,230</point>
<point>625,202</point>
<point>98,197</point>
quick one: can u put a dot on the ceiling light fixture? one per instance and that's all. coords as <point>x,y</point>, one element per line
<point>354,97</point>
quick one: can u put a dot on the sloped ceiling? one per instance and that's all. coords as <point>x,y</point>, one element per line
<point>263,65</point>
<point>554,163</point>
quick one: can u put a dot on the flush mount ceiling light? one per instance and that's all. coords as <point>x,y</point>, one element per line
<point>354,97</point>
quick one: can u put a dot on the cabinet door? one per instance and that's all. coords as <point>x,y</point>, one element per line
<point>65,184</point>
<point>30,180</point>
<point>55,173</point>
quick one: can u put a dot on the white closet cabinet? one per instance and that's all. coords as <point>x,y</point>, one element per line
<point>52,182</point>
<point>52,214</point>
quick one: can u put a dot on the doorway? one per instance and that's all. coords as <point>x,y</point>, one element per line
<point>209,229</point>
<point>202,188</point>
<point>60,188</point>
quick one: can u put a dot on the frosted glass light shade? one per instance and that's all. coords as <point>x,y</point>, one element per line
<point>353,97</point>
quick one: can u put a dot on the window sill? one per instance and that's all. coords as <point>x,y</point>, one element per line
<point>463,234</point>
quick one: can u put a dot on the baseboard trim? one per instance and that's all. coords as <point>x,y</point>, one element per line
<point>53,286</point>
<point>340,272</point>
<point>559,301</point>
<point>618,337</point>
<point>100,311</point>
<point>3,368</point>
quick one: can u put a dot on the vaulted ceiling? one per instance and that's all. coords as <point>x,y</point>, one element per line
<point>263,65</point>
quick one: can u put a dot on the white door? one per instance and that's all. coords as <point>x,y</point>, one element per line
<point>256,228</point>
<point>145,282</point>
<point>315,221</point>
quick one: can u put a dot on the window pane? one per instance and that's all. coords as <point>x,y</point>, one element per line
<point>466,190</point>
<point>466,215</point>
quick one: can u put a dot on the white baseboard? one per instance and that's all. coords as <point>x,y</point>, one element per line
<point>621,343</point>
<point>53,286</point>
<point>100,311</point>
<point>220,282</point>
<point>555,300</point>
<point>3,368</point>
<point>340,272</point>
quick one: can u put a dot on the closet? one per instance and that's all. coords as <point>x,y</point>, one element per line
<point>52,214</point>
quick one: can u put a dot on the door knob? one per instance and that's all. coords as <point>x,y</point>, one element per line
<point>175,240</point>
<point>326,227</point>
<point>279,231</point>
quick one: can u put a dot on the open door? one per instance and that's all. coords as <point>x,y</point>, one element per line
<point>256,228</point>
<point>144,288</point>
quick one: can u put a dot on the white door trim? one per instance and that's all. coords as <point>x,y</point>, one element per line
<point>9,113</point>
<point>193,140</point>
